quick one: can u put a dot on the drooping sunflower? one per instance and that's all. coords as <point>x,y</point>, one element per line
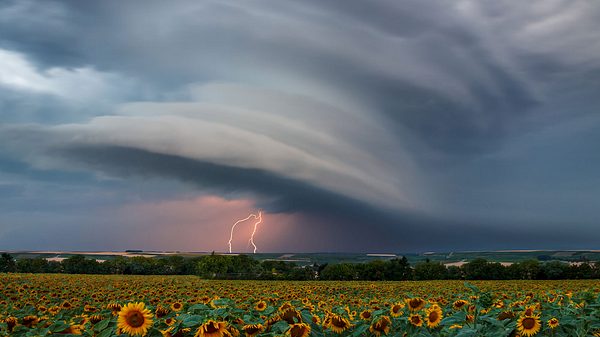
<point>337,323</point>
<point>415,304</point>
<point>506,315</point>
<point>416,320</point>
<point>260,306</point>
<point>212,329</point>
<point>285,306</point>
<point>396,309</point>
<point>233,331</point>
<point>459,304</point>
<point>95,318</point>
<point>553,322</point>
<point>11,322</point>
<point>299,330</point>
<point>291,316</point>
<point>134,319</point>
<point>252,330</point>
<point>528,325</point>
<point>161,311</point>
<point>434,316</point>
<point>381,326</point>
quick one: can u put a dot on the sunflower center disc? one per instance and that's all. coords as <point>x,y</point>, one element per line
<point>135,319</point>
<point>528,323</point>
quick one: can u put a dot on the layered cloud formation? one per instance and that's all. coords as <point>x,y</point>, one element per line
<point>356,126</point>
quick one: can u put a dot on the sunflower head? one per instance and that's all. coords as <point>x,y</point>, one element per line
<point>337,323</point>
<point>434,316</point>
<point>291,316</point>
<point>252,330</point>
<point>134,319</point>
<point>459,304</point>
<point>381,326</point>
<point>299,330</point>
<point>415,319</point>
<point>260,306</point>
<point>176,306</point>
<point>396,309</point>
<point>366,315</point>
<point>212,329</point>
<point>415,304</point>
<point>528,325</point>
<point>553,322</point>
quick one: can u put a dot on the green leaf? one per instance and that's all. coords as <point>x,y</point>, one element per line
<point>102,325</point>
<point>106,333</point>
<point>59,326</point>
<point>472,287</point>
<point>280,327</point>
<point>467,332</point>
<point>359,330</point>
<point>154,333</point>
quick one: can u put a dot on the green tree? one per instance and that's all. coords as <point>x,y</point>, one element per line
<point>7,264</point>
<point>339,271</point>
<point>430,271</point>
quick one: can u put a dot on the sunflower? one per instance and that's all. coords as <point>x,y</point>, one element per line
<point>233,331</point>
<point>459,304</point>
<point>506,315</point>
<point>160,311</point>
<point>212,329</point>
<point>529,311</point>
<point>54,309</point>
<point>134,319</point>
<point>11,322</point>
<point>30,321</point>
<point>337,323</point>
<point>434,316</point>
<point>291,316</point>
<point>299,330</point>
<point>381,326</point>
<point>316,319</point>
<point>170,321</point>
<point>528,325</point>
<point>415,304</point>
<point>416,320</point>
<point>176,306</point>
<point>366,315</point>
<point>553,322</point>
<point>73,330</point>
<point>396,309</point>
<point>95,318</point>
<point>260,306</point>
<point>285,306</point>
<point>252,330</point>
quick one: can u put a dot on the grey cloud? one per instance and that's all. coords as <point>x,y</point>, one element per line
<point>396,113</point>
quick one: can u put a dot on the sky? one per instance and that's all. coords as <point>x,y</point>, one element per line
<point>354,126</point>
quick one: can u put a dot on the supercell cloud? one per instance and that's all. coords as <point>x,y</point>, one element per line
<point>421,125</point>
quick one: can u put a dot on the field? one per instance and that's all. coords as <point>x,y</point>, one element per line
<point>450,258</point>
<point>38,305</point>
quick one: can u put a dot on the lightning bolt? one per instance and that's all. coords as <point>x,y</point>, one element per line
<point>259,220</point>
<point>236,223</point>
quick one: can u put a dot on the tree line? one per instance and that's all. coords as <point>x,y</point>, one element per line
<point>216,266</point>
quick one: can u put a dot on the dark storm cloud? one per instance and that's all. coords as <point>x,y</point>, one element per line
<point>327,214</point>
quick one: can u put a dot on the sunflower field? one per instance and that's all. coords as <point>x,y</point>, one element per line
<point>108,305</point>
